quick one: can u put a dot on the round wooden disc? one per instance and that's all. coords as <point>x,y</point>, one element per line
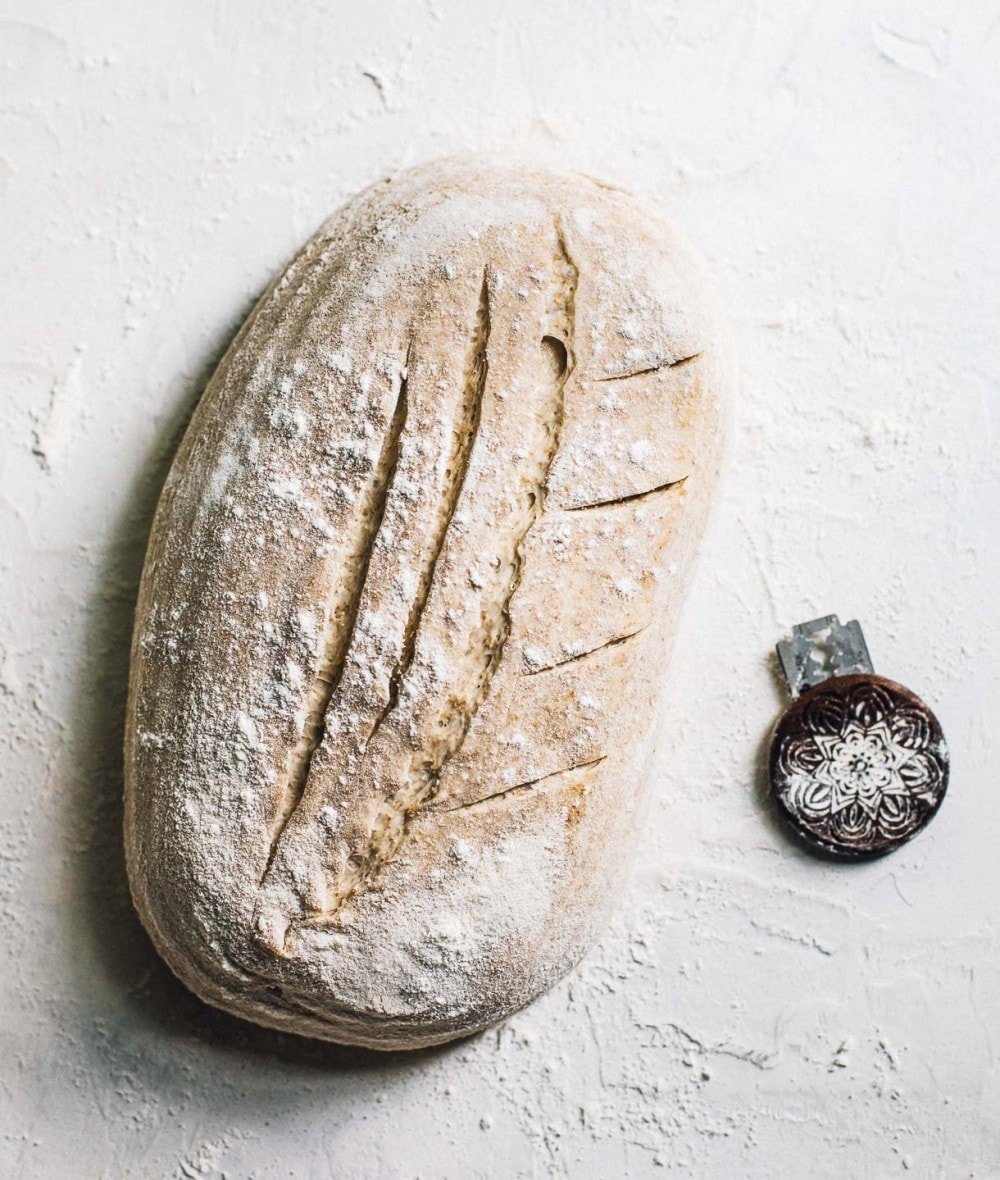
<point>858,765</point>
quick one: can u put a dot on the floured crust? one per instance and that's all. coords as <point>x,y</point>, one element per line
<point>407,599</point>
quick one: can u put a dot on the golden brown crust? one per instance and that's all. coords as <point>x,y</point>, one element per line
<point>409,590</point>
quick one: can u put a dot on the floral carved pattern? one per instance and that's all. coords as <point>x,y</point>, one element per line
<point>859,765</point>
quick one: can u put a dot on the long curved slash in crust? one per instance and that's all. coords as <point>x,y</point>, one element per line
<point>486,645</point>
<point>630,499</point>
<point>342,622</point>
<point>524,788</point>
<point>583,655</point>
<point>464,434</point>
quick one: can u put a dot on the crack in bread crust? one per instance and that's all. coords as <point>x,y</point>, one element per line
<point>650,369</point>
<point>524,788</point>
<point>464,434</point>
<point>617,641</point>
<point>615,501</point>
<point>342,621</point>
<point>486,645</point>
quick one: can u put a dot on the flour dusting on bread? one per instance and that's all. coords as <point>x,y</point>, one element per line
<point>407,601</point>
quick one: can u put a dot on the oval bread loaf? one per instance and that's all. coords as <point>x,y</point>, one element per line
<point>408,596</point>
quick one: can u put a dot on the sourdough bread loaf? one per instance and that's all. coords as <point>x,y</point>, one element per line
<point>407,601</point>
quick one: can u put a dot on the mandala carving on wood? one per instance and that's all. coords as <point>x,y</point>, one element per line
<point>858,765</point>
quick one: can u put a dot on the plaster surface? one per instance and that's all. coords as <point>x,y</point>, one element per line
<point>752,1012</point>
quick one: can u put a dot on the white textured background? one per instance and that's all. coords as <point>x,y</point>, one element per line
<point>753,1012</point>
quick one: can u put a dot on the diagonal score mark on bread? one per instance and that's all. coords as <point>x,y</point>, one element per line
<point>470,688</point>
<point>617,641</point>
<point>524,788</point>
<point>631,498</point>
<point>344,618</point>
<point>647,370</point>
<point>464,436</point>
<point>486,646</point>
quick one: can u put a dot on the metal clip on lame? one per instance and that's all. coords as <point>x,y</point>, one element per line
<point>858,763</point>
